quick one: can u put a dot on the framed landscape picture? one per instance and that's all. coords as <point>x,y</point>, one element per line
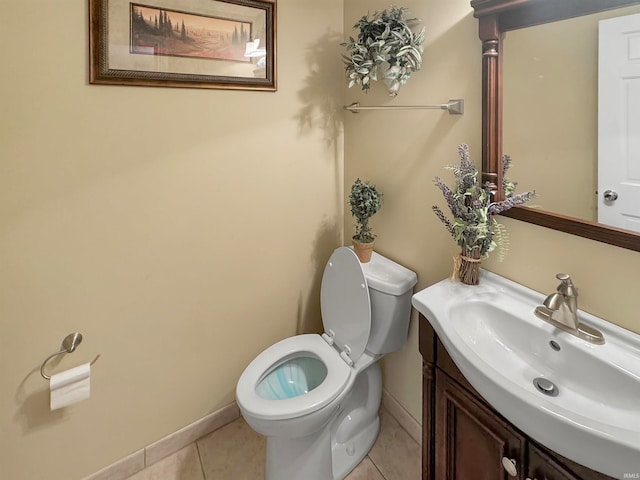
<point>200,44</point>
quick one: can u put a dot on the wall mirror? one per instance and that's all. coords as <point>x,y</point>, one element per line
<point>540,105</point>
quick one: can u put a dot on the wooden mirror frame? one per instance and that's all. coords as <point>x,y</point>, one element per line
<point>495,18</point>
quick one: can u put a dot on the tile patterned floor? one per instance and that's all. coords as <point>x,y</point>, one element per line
<point>235,452</point>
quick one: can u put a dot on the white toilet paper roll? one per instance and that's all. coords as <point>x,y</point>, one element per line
<point>70,386</point>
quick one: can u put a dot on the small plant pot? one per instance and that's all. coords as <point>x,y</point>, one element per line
<point>363,250</point>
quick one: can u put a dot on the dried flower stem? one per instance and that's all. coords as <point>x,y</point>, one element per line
<point>474,226</point>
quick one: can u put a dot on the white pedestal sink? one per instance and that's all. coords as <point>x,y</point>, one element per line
<point>490,331</point>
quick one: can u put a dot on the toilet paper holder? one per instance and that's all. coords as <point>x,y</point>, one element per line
<point>69,344</point>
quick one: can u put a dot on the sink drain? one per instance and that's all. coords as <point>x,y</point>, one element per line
<point>545,386</point>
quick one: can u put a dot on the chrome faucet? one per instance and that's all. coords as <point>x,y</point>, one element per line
<point>564,303</point>
<point>560,309</point>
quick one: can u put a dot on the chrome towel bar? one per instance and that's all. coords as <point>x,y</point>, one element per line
<point>454,107</point>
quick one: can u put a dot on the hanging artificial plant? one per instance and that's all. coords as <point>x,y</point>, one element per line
<point>386,48</point>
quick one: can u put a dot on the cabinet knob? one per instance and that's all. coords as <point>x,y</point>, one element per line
<point>509,466</point>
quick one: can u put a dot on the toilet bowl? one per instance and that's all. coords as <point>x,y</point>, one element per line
<point>298,414</point>
<point>316,397</point>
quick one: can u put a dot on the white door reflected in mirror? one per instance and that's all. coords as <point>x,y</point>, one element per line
<point>619,122</point>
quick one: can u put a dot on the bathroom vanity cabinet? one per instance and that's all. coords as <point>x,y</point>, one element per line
<point>464,438</point>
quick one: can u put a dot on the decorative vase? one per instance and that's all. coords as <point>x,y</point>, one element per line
<point>468,268</point>
<point>363,250</point>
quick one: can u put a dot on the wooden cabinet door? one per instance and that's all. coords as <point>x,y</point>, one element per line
<point>471,441</point>
<point>543,466</point>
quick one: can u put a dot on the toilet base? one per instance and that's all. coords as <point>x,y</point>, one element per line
<point>308,458</point>
<point>347,456</point>
<point>305,458</point>
<point>335,450</point>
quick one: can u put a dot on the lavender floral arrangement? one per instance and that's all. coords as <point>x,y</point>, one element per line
<point>474,226</point>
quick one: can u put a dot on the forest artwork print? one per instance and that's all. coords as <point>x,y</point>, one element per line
<point>229,44</point>
<point>156,31</point>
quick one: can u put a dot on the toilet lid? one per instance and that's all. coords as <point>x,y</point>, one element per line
<point>344,301</point>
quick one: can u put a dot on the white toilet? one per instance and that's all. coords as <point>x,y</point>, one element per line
<point>316,397</point>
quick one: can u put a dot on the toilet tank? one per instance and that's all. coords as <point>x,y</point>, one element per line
<point>390,289</point>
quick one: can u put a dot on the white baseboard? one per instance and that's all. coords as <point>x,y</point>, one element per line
<point>132,464</point>
<point>137,461</point>
<point>404,418</point>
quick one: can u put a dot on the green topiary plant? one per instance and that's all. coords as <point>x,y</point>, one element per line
<point>365,201</point>
<point>386,47</point>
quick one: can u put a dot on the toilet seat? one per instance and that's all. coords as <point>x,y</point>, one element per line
<point>345,304</point>
<point>309,345</point>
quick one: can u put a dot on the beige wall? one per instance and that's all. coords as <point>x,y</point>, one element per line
<point>402,151</point>
<point>181,231</point>
<point>139,216</point>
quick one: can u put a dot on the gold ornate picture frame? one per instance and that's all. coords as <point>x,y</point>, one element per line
<point>228,44</point>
